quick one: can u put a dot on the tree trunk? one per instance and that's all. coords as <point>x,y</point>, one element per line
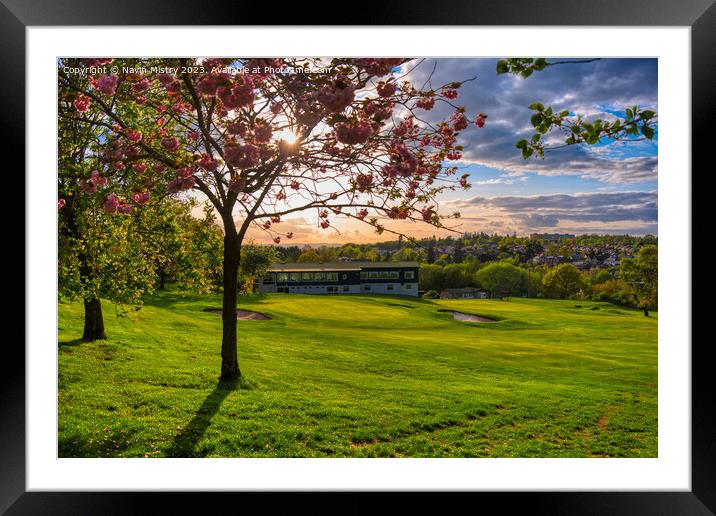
<point>94,322</point>
<point>229,361</point>
<point>162,277</point>
<point>646,312</point>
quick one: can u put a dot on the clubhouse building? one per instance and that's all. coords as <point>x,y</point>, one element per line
<point>397,278</point>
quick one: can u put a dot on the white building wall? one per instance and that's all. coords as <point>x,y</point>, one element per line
<point>409,289</point>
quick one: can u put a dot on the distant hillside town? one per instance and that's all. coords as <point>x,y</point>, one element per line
<point>586,252</point>
<point>620,269</point>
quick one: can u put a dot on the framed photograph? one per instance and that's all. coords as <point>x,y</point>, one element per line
<point>287,258</point>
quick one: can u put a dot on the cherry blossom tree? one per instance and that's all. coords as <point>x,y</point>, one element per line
<point>262,139</point>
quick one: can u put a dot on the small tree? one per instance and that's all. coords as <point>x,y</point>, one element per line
<point>563,281</point>
<point>309,256</point>
<point>641,275</point>
<point>501,279</point>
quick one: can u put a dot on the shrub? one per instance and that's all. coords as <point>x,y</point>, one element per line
<point>431,294</point>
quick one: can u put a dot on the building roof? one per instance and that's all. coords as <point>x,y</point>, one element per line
<point>339,266</point>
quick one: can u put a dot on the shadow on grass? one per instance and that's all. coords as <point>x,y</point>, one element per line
<point>70,343</point>
<point>186,440</point>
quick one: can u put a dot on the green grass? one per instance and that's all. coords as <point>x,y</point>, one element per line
<point>361,376</point>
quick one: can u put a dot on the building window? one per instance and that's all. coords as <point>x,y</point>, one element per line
<point>409,275</point>
<point>366,287</point>
<point>364,275</point>
<point>408,286</point>
<point>270,278</point>
<point>393,274</point>
<point>307,276</point>
<point>346,288</point>
<point>344,276</point>
<point>282,277</point>
<point>374,275</point>
<point>389,287</point>
<point>319,276</point>
<point>332,276</point>
<point>295,276</point>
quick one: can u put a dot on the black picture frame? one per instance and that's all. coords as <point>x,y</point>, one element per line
<point>700,15</point>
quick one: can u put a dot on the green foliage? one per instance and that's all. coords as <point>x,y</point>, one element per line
<point>309,256</point>
<point>563,281</point>
<point>579,130</point>
<point>522,66</point>
<point>431,294</point>
<point>256,260</point>
<point>641,274</point>
<point>431,277</point>
<point>502,279</point>
<point>408,254</point>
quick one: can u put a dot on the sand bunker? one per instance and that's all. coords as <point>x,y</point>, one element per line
<point>241,315</point>
<point>459,316</point>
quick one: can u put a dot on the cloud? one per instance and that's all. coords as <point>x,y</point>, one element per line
<point>598,209</point>
<point>593,89</point>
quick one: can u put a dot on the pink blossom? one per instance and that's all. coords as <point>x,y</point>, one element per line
<point>325,224</point>
<point>241,156</point>
<point>208,163</point>
<point>139,167</point>
<point>124,208</point>
<point>141,198</point>
<point>449,93</point>
<point>107,84</point>
<point>378,66</point>
<point>289,235</point>
<point>386,89</point>
<point>426,103</point>
<point>277,240</point>
<point>82,103</point>
<point>364,182</point>
<point>170,143</point>
<point>88,186</point>
<point>459,121</point>
<point>165,78</point>
<point>119,165</point>
<point>262,132</point>
<point>61,204</point>
<point>193,135</point>
<point>480,120</point>
<point>362,214</point>
<point>141,86</point>
<point>111,203</point>
<point>185,172</point>
<point>337,96</point>
<point>236,128</point>
<point>240,94</point>
<point>208,85</point>
<point>353,134</point>
<point>96,61</point>
<point>295,185</point>
<point>98,179</point>
<point>134,135</point>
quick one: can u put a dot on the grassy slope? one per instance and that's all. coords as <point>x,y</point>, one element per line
<point>362,376</point>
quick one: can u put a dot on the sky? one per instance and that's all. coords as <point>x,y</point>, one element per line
<point>607,188</point>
